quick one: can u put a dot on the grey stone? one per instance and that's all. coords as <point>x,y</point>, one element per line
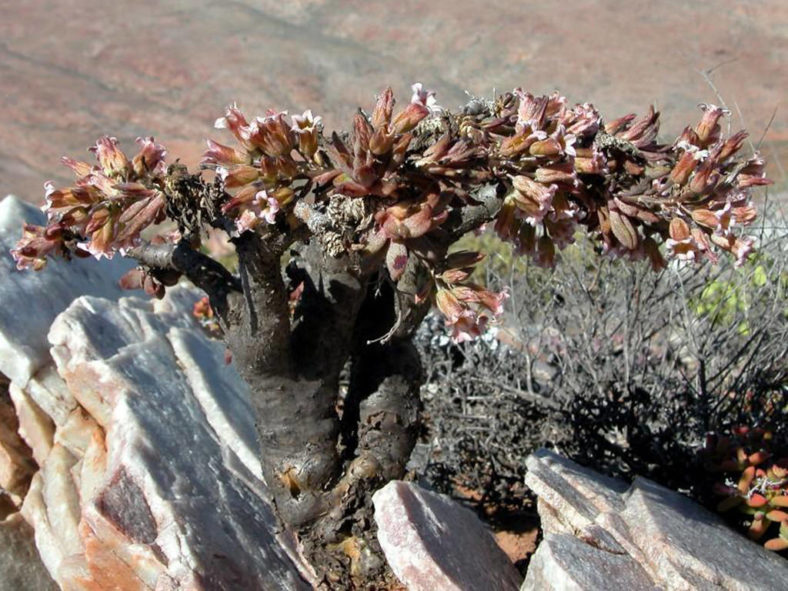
<point>433,543</point>
<point>576,494</point>
<point>564,563</point>
<point>646,529</point>
<point>685,543</point>
<point>20,566</point>
<point>551,521</point>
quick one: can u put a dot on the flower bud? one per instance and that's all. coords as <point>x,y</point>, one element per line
<point>113,161</point>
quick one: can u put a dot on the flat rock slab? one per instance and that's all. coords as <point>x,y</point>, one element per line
<point>432,543</point>
<point>578,494</point>
<point>562,562</point>
<point>645,530</point>
<point>684,543</point>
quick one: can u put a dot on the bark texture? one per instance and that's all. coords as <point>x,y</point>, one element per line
<point>327,443</point>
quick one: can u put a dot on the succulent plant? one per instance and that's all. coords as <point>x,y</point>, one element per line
<point>760,491</point>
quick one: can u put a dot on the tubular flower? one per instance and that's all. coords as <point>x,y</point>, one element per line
<point>425,97</point>
<point>36,244</point>
<point>307,128</point>
<point>255,207</point>
<point>533,200</point>
<point>468,308</point>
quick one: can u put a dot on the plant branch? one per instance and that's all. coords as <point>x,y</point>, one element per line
<point>206,273</point>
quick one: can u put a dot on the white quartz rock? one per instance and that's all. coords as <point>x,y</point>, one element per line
<point>23,345</point>
<point>82,339</point>
<point>35,426</point>
<point>49,391</point>
<point>564,563</point>
<point>222,394</point>
<point>177,421</point>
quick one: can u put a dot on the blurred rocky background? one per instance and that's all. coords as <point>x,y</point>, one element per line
<point>73,70</point>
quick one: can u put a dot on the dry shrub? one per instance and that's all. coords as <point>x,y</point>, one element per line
<point>613,365</point>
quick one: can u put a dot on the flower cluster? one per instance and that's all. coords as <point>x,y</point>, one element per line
<point>617,180</point>
<point>467,307</point>
<point>104,211</point>
<point>394,191</point>
<point>274,151</point>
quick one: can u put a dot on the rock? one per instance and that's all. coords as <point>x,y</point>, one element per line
<point>685,543</point>
<point>20,565</point>
<point>171,496</point>
<point>577,493</point>
<point>80,347</point>
<point>50,393</point>
<point>149,473</point>
<point>572,497</point>
<point>23,345</point>
<point>35,426</point>
<point>16,458</point>
<point>433,543</point>
<point>232,416</point>
<point>566,563</point>
<point>644,530</point>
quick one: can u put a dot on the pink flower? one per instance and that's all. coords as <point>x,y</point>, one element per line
<point>220,154</point>
<point>494,301</point>
<point>742,247</point>
<point>424,97</point>
<point>271,134</point>
<point>150,158</point>
<point>111,158</point>
<point>534,200</point>
<point>272,207</point>
<point>467,308</point>
<point>708,130</point>
<point>261,207</point>
<point>582,120</point>
<point>235,121</point>
<point>468,326</point>
<point>36,243</point>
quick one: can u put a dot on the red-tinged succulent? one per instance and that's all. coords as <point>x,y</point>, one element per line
<point>760,491</point>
